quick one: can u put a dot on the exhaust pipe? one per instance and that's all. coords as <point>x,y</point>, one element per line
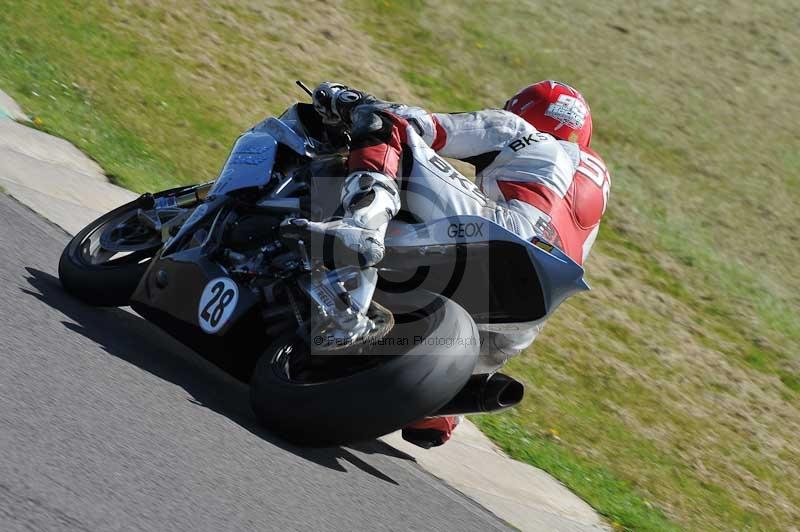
<point>484,393</point>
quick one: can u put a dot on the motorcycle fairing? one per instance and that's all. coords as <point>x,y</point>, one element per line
<point>173,307</point>
<point>283,134</point>
<point>498,277</point>
<point>174,284</point>
<point>253,155</point>
<point>169,288</point>
<point>249,163</point>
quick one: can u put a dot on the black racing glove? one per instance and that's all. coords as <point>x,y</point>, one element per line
<point>335,102</point>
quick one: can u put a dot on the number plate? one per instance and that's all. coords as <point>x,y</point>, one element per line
<point>217,304</point>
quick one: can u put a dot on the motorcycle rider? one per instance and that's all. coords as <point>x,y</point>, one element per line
<point>536,176</point>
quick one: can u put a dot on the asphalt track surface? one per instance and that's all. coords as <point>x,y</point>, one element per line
<point>106,423</point>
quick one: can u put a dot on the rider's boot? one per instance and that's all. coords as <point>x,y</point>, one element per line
<point>431,432</point>
<point>370,201</point>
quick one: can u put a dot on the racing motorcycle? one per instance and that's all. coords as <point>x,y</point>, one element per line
<point>334,353</point>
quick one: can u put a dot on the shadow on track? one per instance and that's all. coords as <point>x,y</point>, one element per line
<point>129,337</point>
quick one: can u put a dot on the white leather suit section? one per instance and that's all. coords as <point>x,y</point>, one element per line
<point>504,147</point>
<point>523,154</point>
<point>491,134</point>
<point>451,194</point>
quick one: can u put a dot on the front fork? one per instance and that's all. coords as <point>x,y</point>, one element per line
<point>169,211</point>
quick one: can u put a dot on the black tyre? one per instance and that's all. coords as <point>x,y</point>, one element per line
<point>107,275</point>
<point>339,399</point>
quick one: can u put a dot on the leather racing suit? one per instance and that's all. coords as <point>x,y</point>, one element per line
<point>527,181</point>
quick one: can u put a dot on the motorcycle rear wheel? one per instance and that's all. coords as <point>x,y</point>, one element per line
<point>420,365</point>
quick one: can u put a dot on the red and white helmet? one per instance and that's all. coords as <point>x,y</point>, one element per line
<point>554,108</point>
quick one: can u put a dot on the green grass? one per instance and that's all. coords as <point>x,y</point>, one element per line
<point>675,385</point>
<point>610,495</point>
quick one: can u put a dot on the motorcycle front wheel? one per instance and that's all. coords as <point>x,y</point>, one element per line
<point>102,265</point>
<point>335,398</point>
